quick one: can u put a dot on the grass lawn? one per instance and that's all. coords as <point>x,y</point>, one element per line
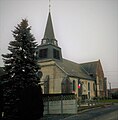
<point>109,101</point>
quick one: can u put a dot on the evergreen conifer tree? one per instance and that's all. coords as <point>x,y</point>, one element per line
<point>22,94</point>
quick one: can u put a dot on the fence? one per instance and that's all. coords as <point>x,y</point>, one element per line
<point>87,102</point>
<point>60,103</point>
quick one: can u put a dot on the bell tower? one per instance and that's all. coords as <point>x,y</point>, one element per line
<point>49,49</point>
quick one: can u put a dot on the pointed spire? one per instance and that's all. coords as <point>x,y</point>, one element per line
<point>49,37</point>
<point>49,33</point>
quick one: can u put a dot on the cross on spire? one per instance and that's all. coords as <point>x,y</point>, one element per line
<point>49,5</point>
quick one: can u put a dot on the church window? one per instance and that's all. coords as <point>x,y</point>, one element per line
<point>46,85</point>
<point>93,86</point>
<point>101,85</point>
<point>88,86</point>
<point>74,85</point>
<point>66,86</point>
<point>88,90</point>
<point>56,54</point>
<point>43,53</point>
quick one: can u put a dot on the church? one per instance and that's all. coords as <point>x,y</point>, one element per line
<point>60,75</point>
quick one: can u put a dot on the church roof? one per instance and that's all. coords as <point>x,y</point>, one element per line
<point>90,67</point>
<point>49,32</point>
<point>73,69</point>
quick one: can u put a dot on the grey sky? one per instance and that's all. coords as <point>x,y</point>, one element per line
<point>86,30</point>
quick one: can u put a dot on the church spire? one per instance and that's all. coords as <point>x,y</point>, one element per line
<point>49,48</point>
<point>49,33</point>
<point>49,37</point>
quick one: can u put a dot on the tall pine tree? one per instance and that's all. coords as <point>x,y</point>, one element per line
<point>22,94</point>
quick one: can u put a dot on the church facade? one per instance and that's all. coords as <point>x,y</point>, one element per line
<point>64,76</point>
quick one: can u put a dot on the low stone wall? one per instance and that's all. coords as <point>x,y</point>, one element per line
<point>60,104</point>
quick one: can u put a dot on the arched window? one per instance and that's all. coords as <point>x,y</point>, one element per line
<point>88,86</point>
<point>88,90</point>
<point>94,87</point>
<point>46,85</point>
<point>66,85</point>
<point>74,85</point>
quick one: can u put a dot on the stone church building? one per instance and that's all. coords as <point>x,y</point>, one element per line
<point>64,76</point>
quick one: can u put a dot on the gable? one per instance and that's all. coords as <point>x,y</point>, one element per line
<point>93,68</point>
<point>90,67</point>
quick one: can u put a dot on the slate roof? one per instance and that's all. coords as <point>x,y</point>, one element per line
<point>73,69</point>
<point>49,32</point>
<point>90,67</point>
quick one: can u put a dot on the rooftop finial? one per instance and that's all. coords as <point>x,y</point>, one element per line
<point>49,5</point>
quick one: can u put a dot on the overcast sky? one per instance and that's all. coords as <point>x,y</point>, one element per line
<point>86,30</point>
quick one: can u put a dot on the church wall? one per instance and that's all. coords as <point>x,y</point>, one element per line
<point>55,76</point>
<point>84,87</point>
<point>101,88</point>
<point>48,70</point>
<point>92,90</point>
<point>88,89</point>
<point>58,77</point>
<point>76,84</point>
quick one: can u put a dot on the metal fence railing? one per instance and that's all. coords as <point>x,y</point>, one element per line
<point>60,104</point>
